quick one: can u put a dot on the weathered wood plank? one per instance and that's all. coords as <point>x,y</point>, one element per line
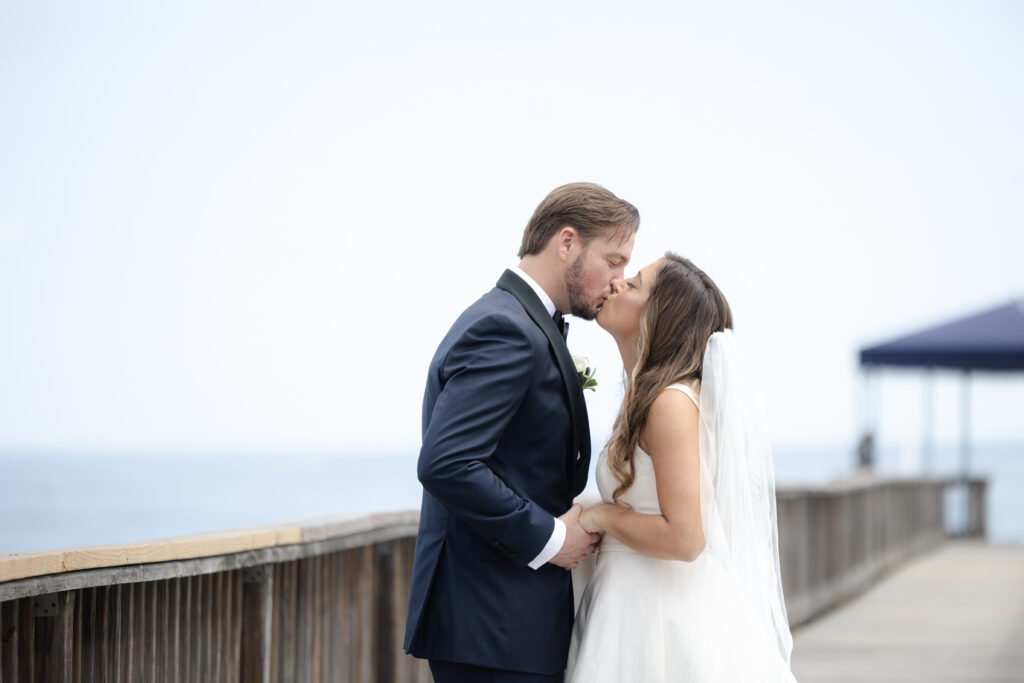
<point>232,612</point>
<point>195,631</point>
<point>953,615</point>
<point>54,640</point>
<point>76,651</point>
<point>185,628</point>
<point>139,635</point>
<point>23,565</point>
<point>273,646</point>
<point>118,653</point>
<point>19,565</point>
<point>384,649</point>
<point>104,671</point>
<point>176,612</point>
<point>8,632</point>
<point>92,637</point>
<point>348,609</point>
<point>321,670</point>
<point>161,631</point>
<point>128,645</point>
<point>315,631</point>
<point>187,547</point>
<point>360,531</point>
<point>337,640</point>
<point>286,644</point>
<point>367,579</point>
<point>256,626</point>
<point>236,640</point>
<point>355,591</point>
<point>174,655</point>
<point>152,634</point>
<point>9,641</point>
<point>304,618</point>
<point>209,654</point>
<point>71,580</point>
<point>26,641</point>
<point>403,670</point>
<point>218,621</point>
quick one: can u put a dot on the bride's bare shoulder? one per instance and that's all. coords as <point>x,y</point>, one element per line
<point>671,404</point>
<point>672,416</point>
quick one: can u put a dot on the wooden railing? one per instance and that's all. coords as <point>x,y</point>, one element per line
<point>326,601</point>
<point>835,541</point>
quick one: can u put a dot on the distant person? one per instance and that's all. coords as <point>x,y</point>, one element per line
<point>866,451</point>
<point>686,585</point>
<point>506,448</point>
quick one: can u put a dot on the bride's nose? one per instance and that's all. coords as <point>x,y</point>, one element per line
<point>616,286</point>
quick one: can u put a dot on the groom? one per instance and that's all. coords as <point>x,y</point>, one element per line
<point>506,448</point>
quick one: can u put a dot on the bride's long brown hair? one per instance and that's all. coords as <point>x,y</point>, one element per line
<point>682,312</point>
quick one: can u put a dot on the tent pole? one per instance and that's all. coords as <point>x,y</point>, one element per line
<point>876,414</point>
<point>965,447</point>
<point>928,420</point>
<point>965,425</point>
<point>866,399</point>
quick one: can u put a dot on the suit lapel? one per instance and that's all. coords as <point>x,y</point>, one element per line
<point>514,285</point>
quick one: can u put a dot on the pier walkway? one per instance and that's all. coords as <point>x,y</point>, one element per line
<point>955,614</point>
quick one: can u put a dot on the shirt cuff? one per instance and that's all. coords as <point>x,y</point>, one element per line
<point>552,547</point>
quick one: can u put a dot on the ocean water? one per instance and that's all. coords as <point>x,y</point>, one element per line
<point>67,500</point>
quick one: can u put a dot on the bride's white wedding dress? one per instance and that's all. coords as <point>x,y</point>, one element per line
<point>646,620</point>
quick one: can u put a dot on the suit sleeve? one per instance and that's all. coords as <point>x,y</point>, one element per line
<point>485,377</point>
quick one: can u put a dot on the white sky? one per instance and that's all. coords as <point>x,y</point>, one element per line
<point>249,227</point>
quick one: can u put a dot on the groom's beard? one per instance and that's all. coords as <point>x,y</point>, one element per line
<point>574,284</point>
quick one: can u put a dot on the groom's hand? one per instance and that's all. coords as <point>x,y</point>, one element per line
<point>577,541</point>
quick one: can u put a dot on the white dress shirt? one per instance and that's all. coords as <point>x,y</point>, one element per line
<point>554,543</point>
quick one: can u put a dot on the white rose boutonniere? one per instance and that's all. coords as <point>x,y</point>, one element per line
<point>585,372</point>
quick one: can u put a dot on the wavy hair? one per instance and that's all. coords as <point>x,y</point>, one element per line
<point>590,209</point>
<point>684,309</point>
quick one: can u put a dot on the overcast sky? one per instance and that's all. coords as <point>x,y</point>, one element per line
<point>248,227</point>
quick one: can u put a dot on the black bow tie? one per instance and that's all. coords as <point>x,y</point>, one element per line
<point>562,324</point>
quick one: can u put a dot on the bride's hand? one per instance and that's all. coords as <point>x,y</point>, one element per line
<point>589,520</point>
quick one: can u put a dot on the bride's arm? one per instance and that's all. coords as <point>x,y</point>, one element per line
<point>671,439</point>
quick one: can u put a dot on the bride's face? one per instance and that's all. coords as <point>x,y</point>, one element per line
<point>620,314</point>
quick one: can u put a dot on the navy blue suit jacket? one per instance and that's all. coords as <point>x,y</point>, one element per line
<point>506,447</point>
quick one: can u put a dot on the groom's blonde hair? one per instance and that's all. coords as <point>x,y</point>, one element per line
<point>589,208</point>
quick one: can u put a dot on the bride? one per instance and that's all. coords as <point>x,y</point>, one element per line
<point>686,585</point>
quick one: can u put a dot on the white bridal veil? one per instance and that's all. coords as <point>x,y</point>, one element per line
<point>738,484</point>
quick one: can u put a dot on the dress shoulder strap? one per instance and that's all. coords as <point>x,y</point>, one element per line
<point>688,391</point>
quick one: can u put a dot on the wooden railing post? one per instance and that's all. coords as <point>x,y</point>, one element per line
<point>26,641</point>
<point>257,611</point>
<point>10,635</point>
<point>54,617</point>
<point>384,646</point>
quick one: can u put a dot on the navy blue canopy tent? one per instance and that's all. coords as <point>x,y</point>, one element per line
<point>992,341</point>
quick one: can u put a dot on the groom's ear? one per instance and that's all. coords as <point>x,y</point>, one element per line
<point>565,239</point>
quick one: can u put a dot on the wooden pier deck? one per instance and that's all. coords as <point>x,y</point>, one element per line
<point>955,614</point>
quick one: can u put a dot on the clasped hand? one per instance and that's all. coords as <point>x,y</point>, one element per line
<point>578,541</point>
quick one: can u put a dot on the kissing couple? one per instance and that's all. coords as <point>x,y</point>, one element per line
<point>686,584</point>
